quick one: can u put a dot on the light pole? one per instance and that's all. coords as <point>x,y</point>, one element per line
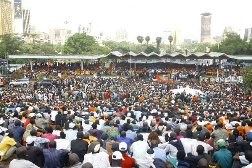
<point>170,38</point>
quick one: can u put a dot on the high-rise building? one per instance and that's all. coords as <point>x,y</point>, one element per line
<point>59,36</point>
<point>248,34</point>
<point>206,27</point>
<point>26,21</point>
<point>121,35</point>
<point>18,17</point>
<point>6,20</point>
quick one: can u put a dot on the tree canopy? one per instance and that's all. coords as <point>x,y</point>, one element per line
<point>233,45</point>
<point>247,77</point>
<point>81,43</point>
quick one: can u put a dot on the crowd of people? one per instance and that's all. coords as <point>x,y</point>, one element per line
<point>100,122</point>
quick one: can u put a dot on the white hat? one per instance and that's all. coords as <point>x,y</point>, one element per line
<point>29,140</point>
<point>97,148</point>
<point>183,127</point>
<point>39,115</point>
<point>117,155</point>
<point>128,114</point>
<point>144,118</point>
<point>123,146</point>
<point>229,126</point>
<point>71,125</point>
<point>65,112</point>
<point>1,121</point>
<point>31,114</point>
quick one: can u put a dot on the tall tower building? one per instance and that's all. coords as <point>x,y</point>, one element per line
<point>205,27</point>
<point>6,20</point>
<point>248,34</point>
<point>18,17</point>
<point>26,21</point>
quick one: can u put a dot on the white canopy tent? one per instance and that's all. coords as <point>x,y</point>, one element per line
<point>188,91</point>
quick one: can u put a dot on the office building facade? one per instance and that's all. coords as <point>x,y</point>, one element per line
<point>6,17</point>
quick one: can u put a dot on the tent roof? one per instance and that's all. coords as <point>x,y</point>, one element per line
<point>141,55</point>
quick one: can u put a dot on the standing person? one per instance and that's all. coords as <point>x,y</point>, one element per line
<point>18,131</point>
<point>52,156</point>
<point>58,119</point>
<point>79,146</point>
<point>223,156</point>
<point>21,161</point>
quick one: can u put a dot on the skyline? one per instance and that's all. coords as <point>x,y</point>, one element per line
<point>141,17</point>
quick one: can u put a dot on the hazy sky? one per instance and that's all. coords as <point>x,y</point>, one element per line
<point>141,17</point>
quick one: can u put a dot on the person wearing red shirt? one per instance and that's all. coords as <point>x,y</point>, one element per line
<point>127,161</point>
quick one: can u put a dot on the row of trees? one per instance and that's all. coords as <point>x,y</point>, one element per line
<point>233,45</point>
<point>77,44</point>
<point>81,43</point>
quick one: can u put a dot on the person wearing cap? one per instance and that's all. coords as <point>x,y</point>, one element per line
<point>41,122</point>
<point>223,156</point>
<point>79,146</point>
<point>128,161</point>
<point>21,161</point>
<point>229,129</point>
<point>117,159</point>
<point>97,158</point>
<point>34,153</point>
<point>139,148</point>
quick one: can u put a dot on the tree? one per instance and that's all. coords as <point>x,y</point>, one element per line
<point>158,41</point>
<point>81,43</point>
<point>232,44</point>
<point>140,39</point>
<point>147,39</point>
<point>247,77</point>
<point>151,49</point>
<point>9,44</point>
<point>170,38</point>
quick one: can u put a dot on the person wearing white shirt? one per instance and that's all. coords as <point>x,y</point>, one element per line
<point>97,158</point>
<point>63,143</point>
<point>139,148</point>
<point>20,162</point>
<point>187,144</point>
<point>169,148</point>
<point>206,146</point>
<point>70,133</point>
